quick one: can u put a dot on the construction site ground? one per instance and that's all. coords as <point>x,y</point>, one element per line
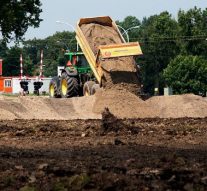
<point>68,144</point>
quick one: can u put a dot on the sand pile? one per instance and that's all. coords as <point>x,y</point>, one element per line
<point>124,104</point>
<point>120,103</point>
<point>177,106</point>
<point>29,107</point>
<point>97,35</point>
<point>121,71</point>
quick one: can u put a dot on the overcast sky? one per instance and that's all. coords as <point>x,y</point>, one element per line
<point>71,10</point>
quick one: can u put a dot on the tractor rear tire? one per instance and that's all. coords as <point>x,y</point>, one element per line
<point>69,86</point>
<point>54,88</point>
<point>88,87</point>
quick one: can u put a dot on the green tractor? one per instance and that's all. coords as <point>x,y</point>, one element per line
<point>76,78</point>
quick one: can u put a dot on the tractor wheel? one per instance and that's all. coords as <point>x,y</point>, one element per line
<point>94,88</point>
<point>53,88</point>
<point>69,86</point>
<point>88,87</point>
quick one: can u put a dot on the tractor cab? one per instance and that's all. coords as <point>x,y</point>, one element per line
<point>77,60</point>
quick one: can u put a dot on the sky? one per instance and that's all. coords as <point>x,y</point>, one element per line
<point>71,11</point>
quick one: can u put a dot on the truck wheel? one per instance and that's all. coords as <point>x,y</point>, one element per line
<point>69,86</point>
<point>53,88</point>
<point>88,87</point>
<point>94,88</point>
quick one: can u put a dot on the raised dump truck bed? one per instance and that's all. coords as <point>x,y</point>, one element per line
<point>109,56</point>
<point>103,46</point>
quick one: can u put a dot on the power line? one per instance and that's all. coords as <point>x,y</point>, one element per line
<point>168,39</point>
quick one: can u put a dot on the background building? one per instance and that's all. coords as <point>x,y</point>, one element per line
<point>11,84</point>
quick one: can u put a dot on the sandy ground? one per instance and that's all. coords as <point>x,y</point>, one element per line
<point>121,103</point>
<point>46,108</point>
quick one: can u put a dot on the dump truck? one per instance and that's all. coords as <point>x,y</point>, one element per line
<point>105,59</point>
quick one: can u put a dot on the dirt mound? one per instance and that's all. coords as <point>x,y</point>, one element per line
<point>121,103</point>
<point>120,71</point>
<point>124,104</point>
<point>178,106</point>
<point>46,108</point>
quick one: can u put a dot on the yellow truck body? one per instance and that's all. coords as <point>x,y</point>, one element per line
<point>106,51</point>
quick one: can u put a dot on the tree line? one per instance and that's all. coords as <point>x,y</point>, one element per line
<point>174,51</point>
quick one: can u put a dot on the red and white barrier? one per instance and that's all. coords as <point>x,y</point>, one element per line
<point>21,67</point>
<point>1,63</point>
<point>41,65</point>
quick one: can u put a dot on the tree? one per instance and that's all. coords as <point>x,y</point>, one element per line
<point>187,74</point>
<point>11,63</point>
<point>17,16</point>
<point>193,28</point>
<point>129,22</point>
<point>157,34</point>
<point>3,49</point>
<point>54,48</point>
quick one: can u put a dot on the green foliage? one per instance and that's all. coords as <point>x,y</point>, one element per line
<point>187,74</point>
<point>8,181</point>
<point>11,66</point>
<point>162,38</point>
<point>128,23</point>
<point>157,51</point>
<point>17,16</point>
<point>3,49</point>
<point>75,182</point>
<point>53,47</point>
<point>28,188</point>
<point>193,23</point>
<point>78,182</point>
<point>58,186</point>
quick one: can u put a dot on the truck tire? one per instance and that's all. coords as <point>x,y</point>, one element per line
<point>54,88</point>
<point>87,87</point>
<point>69,86</point>
<point>94,88</point>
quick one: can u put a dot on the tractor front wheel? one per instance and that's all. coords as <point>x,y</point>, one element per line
<point>53,88</point>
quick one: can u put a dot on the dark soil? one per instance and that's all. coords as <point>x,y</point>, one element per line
<point>108,154</point>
